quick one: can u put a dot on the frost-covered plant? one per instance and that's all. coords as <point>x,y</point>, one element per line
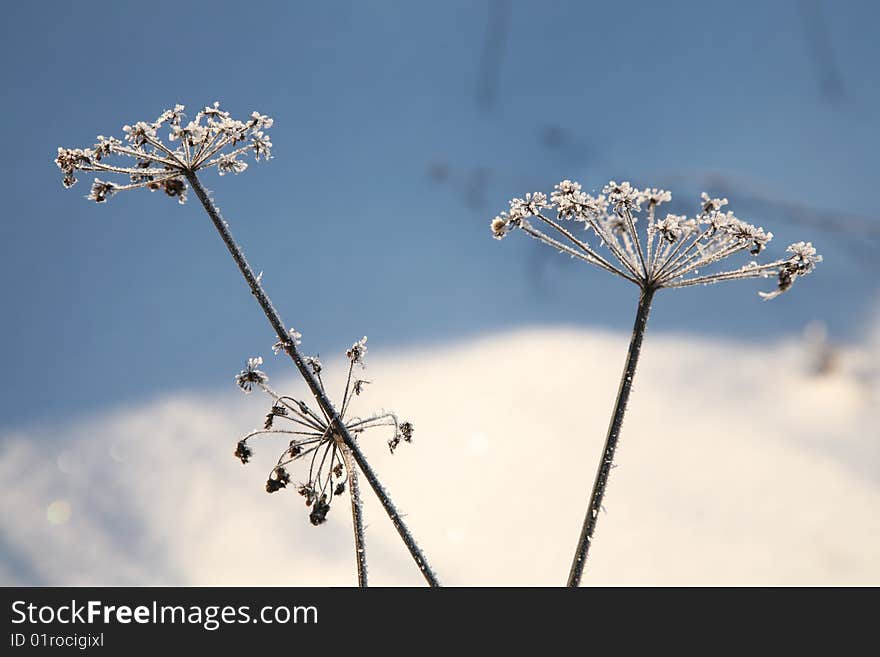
<point>668,252</point>
<point>214,139</point>
<point>211,139</point>
<point>312,439</point>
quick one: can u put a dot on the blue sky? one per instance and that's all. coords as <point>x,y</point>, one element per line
<point>389,162</point>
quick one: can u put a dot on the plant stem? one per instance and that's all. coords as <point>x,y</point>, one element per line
<point>357,519</point>
<point>323,401</point>
<point>605,465</point>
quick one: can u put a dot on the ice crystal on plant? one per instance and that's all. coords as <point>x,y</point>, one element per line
<point>250,375</point>
<point>314,364</point>
<point>243,452</point>
<point>622,196</point>
<point>212,139</point>
<point>295,338</point>
<point>530,205</point>
<point>652,197</point>
<point>311,437</point>
<point>710,204</point>
<point>358,351</point>
<point>667,252</point>
<point>500,225</point>
<point>803,260</point>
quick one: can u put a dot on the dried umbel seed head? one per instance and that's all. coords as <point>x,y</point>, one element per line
<point>101,191</point>
<point>309,437</point>
<point>277,480</point>
<point>569,200</point>
<point>308,492</point>
<point>212,139</point>
<point>671,227</point>
<point>653,197</point>
<point>314,364</point>
<point>500,226</point>
<point>709,204</point>
<point>404,432</point>
<point>174,187</point>
<point>667,252</point>
<point>250,375</point>
<point>243,452</point>
<point>358,351</point>
<point>319,511</point>
<point>623,196</point>
<point>276,410</point>
<point>802,261</point>
<point>528,205</point>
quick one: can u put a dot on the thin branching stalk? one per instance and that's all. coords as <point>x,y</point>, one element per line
<point>314,442</point>
<point>676,249</point>
<point>288,344</point>
<point>213,139</point>
<point>614,427</point>
<point>357,519</point>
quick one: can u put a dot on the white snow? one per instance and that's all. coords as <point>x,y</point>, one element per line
<point>736,466</point>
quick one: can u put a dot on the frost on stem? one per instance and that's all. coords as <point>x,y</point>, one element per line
<point>211,139</point>
<point>310,437</point>
<point>667,252</point>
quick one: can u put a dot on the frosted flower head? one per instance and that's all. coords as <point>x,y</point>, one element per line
<point>500,226</point>
<point>311,447</point>
<point>277,410</point>
<point>752,236</point>
<point>230,164</point>
<point>674,251</point>
<point>671,227</point>
<point>571,202</point>
<point>357,352</point>
<point>278,479</point>
<point>243,452</point>
<point>804,253</point>
<point>404,432</point>
<point>623,196</point>
<point>709,204</point>
<point>168,149</point>
<point>319,511</point>
<point>251,375</point>
<point>717,220</point>
<point>802,261</point>
<point>565,188</point>
<point>101,191</point>
<point>652,197</point>
<point>314,364</point>
<point>528,206</point>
